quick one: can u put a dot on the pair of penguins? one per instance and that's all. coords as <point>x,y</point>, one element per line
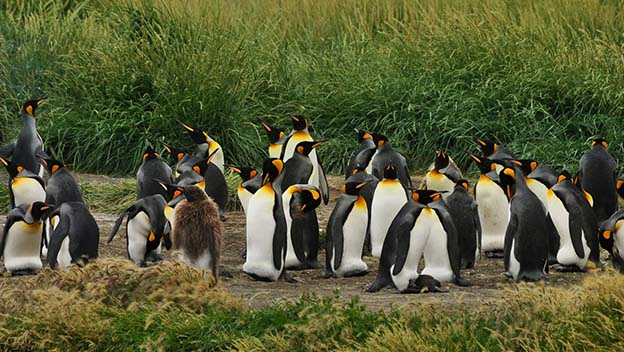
<point>48,218</point>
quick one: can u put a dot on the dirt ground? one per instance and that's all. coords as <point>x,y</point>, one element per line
<point>487,277</point>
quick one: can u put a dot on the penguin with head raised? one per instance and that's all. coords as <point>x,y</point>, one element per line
<point>390,195</point>
<point>152,171</point>
<point>61,186</point>
<point>251,182</point>
<point>299,202</point>
<point>526,238</point>
<point>442,175</point>
<point>465,214</point>
<point>75,235</point>
<point>298,169</point>
<point>184,161</point>
<point>213,182</point>
<point>205,146</point>
<point>387,155</point>
<point>300,133</point>
<point>364,154</point>
<point>597,176</point>
<point>576,225</point>
<point>29,145</point>
<point>612,238</point>
<point>146,228</point>
<point>276,138</point>
<point>20,244</point>
<point>346,233</point>
<point>493,150</point>
<point>266,229</point>
<point>24,186</point>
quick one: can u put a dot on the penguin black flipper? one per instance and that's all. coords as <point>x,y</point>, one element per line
<point>337,234</point>
<point>56,238</point>
<point>119,221</point>
<point>510,233</point>
<point>298,230</point>
<point>452,241</point>
<point>12,217</point>
<point>279,237</point>
<point>323,186</point>
<point>403,235</point>
<point>575,221</point>
<point>477,224</point>
<point>7,150</point>
<point>39,152</point>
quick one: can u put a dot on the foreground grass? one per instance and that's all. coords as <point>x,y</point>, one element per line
<point>541,76</point>
<point>112,305</point>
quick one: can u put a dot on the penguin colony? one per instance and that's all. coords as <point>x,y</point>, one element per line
<point>524,212</point>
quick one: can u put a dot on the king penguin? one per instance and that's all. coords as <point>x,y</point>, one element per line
<point>146,228</point>
<point>526,238</point>
<point>387,155</point>
<point>612,233</point>
<point>29,145</point>
<point>184,161</point>
<point>205,146</point>
<point>465,214</point>
<point>75,235</point>
<point>346,233</point>
<point>390,195</point>
<point>442,174</point>
<point>24,186</point>
<point>597,176</point>
<point>152,171</point>
<point>493,150</point>
<point>299,202</point>
<point>619,185</point>
<point>364,154</point>
<point>61,186</point>
<point>298,169</point>
<point>213,182</point>
<point>276,138</point>
<point>251,182</point>
<point>266,229</point>
<point>20,244</point>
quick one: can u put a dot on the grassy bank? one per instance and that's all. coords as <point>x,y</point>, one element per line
<point>540,76</point>
<point>112,305</point>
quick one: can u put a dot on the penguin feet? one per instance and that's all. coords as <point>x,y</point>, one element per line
<point>154,257</point>
<point>24,272</point>
<point>377,286</point>
<point>288,278</point>
<point>314,264</point>
<point>325,274</point>
<point>495,254</point>
<point>258,277</point>
<point>462,282</point>
<point>355,273</point>
<point>568,268</point>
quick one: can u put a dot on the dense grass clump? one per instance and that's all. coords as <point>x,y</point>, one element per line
<point>112,305</point>
<point>541,77</point>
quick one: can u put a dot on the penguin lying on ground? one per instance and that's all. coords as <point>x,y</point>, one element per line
<point>152,171</point>
<point>24,186</point>
<point>299,202</point>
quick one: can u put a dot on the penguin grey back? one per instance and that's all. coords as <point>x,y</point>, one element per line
<point>597,176</point>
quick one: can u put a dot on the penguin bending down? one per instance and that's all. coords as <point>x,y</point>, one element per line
<point>146,228</point>
<point>276,139</point>
<point>213,183</point>
<point>20,244</point>
<point>465,214</point>
<point>612,233</point>
<point>152,171</point>
<point>61,186</point>
<point>75,235</point>
<point>251,183</point>
<point>302,230</point>
<point>24,186</point>
<point>387,155</point>
<point>576,225</point>
<point>266,229</point>
<point>206,146</point>
<point>526,238</point>
<point>298,169</point>
<point>346,233</point>
<point>493,207</point>
<point>493,150</point>
<point>390,195</point>
<point>442,175</point>
<point>423,227</point>
<point>197,230</point>
<point>597,176</point>
<point>364,155</point>
<point>29,145</point>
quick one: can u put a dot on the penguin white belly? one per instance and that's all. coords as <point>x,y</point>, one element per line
<point>618,236</point>
<point>494,211</point>
<point>540,190</point>
<point>437,263</point>
<point>291,258</point>
<point>354,233</point>
<point>64,257</point>
<point>27,190</point>
<point>244,196</point>
<point>275,150</point>
<point>514,264</point>
<point>259,233</point>
<point>419,236</point>
<point>561,219</point>
<point>314,179</point>
<point>21,247</point>
<point>436,181</point>
<point>203,261</point>
<point>369,167</point>
<point>388,199</point>
<point>138,230</point>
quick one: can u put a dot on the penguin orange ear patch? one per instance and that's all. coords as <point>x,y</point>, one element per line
<point>300,149</point>
<point>253,173</point>
<point>20,169</point>
<point>315,194</point>
<point>54,168</point>
<point>344,189</point>
<point>145,156</point>
<point>561,178</point>
<point>152,237</point>
<point>606,234</point>
<point>197,169</point>
<point>29,110</point>
<point>415,196</point>
<point>619,184</point>
<point>533,165</point>
<point>180,156</point>
<point>510,173</point>
<point>176,193</point>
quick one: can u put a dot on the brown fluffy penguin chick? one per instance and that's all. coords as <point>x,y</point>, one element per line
<point>198,231</point>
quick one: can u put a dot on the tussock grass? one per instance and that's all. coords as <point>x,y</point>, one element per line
<point>542,76</point>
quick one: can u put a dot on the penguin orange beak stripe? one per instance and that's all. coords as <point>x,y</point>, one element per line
<point>187,127</point>
<point>266,127</point>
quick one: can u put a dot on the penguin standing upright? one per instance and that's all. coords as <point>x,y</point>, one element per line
<point>442,174</point>
<point>387,155</point>
<point>299,202</point>
<point>276,139</point>
<point>29,145</point>
<point>146,228</point>
<point>367,192</point>
<point>24,186</point>
<point>152,171</point>
<point>206,146</point>
<point>493,150</point>
<point>75,235</point>
<point>346,233</point>
<point>526,238</point>
<point>298,169</point>
<point>266,229</point>
<point>493,207</point>
<point>465,214</point>
<point>597,176</point>
<point>612,234</point>
<point>198,231</point>
<point>20,244</point>
<point>61,186</point>
<point>390,195</point>
<point>252,181</point>
<point>213,182</point>
<point>364,154</point>
<point>300,134</point>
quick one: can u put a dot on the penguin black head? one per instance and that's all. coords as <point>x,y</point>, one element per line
<point>271,169</point>
<point>201,166</point>
<point>246,173</point>
<point>353,188</point>
<point>36,211</point>
<point>619,185</point>
<point>299,122</point>
<point>178,154</point>
<point>487,147</point>
<point>426,196</point>
<point>600,142</point>
<point>273,133</point>
<point>150,154</point>
<point>193,193</point>
<point>526,165</point>
<point>30,106</point>
<point>12,168</point>
<point>310,195</point>
<point>485,165</point>
<point>508,181</point>
<point>363,135</point>
<point>441,161</point>
<point>305,148</point>
<point>358,168</point>
<point>379,140</point>
<point>462,183</point>
<point>564,176</point>
<point>172,191</point>
<point>390,172</point>
<point>198,136</point>
<point>52,165</point>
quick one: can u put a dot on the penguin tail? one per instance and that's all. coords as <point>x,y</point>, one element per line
<point>117,225</point>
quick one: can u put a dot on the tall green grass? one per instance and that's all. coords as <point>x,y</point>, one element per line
<point>541,77</point>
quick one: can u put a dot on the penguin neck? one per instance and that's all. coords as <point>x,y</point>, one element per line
<point>29,121</point>
<point>521,183</point>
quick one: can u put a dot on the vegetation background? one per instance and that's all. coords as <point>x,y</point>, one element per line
<point>540,76</point>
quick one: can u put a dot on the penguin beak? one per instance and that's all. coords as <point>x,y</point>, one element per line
<point>187,127</point>
<point>40,101</point>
